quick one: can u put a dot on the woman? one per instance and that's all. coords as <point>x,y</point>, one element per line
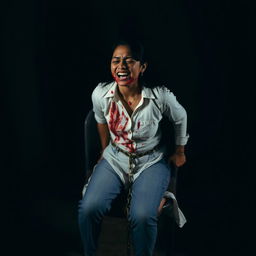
<point>128,115</point>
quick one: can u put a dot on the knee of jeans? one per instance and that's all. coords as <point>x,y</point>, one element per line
<point>89,208</point>
<point>142,216</point>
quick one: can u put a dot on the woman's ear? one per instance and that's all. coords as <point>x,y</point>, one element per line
<point>144,67</point>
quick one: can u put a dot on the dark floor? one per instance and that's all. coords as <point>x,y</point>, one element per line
<point>114,239</point>
<point>50,228</point>
<point>55,227</point>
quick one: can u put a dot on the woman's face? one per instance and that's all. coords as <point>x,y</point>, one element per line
<point>125,70</point>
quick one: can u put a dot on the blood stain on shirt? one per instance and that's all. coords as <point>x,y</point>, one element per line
<point>117,125</point>
<point>129,145</point>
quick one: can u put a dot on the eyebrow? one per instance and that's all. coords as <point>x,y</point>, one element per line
<point>116,57</point>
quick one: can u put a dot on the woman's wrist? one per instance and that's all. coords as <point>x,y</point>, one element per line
<point>180,153</point>
<point>180,150</point>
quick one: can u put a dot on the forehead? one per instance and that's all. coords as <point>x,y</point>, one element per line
<point>122,51</point>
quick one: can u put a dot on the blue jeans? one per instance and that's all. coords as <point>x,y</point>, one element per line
<point>147,192</point>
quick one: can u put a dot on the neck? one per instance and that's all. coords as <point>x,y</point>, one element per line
<point>129,92</point>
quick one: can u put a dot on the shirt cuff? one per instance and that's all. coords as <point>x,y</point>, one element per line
<point>182,140</point>
<point>100,120</point>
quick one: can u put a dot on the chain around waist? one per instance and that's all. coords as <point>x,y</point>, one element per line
<point>134,154</point>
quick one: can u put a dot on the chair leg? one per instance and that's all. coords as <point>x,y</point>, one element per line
<point>165,237</point>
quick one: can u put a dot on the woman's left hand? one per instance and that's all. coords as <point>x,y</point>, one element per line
<point>178,159</point>
<point>160,208</point>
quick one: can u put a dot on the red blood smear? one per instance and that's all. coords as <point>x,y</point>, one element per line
<point>129,103</point>
<point>138,125</point>
<point>130,81</point>
<point>116,78</point>
<point>114,120</point>
<point>116,127</point>
<point>129,146</point>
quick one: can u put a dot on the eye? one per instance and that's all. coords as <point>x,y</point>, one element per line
<point>115,61</point>
<point>130,61</point>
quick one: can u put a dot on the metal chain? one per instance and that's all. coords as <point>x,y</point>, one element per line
<point>132,157</point>
<point>130,181</point>
<point>128,203</point>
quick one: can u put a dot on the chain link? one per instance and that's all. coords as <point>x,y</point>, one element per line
<point>132,157</point>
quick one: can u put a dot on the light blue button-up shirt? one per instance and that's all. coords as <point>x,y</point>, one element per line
<point>139,132</point>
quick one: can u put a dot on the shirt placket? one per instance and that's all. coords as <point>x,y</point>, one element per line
<point>130,125</point>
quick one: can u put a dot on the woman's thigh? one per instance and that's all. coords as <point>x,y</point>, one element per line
<point>104,185</point>
<point>148,189</point>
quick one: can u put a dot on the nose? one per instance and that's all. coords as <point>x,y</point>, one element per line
<point>122,63</point>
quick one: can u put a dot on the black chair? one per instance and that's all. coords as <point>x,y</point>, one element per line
<point>116,216</point>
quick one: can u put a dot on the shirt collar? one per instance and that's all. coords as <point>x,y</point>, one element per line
<point>112,93</point>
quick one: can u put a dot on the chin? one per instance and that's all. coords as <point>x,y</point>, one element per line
<point>128,83</point>
<point>124,84</point>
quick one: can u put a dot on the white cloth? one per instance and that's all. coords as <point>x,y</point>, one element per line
<point>177,213</point>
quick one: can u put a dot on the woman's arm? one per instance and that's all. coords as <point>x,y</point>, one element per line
<point>104,136</point>
<point>178,116</point>
<point>102,125</point>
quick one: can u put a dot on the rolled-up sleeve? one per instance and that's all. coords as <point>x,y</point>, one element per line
<point>177,115</point>
<point>97,105</point>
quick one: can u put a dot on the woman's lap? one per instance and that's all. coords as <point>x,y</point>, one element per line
<point>104,185</point>
<point>147,189</point>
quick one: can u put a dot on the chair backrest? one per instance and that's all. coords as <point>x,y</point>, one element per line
<point>92,142</point>
<point>93,146</point>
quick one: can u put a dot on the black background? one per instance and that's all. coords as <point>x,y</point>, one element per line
<point>55,52</point>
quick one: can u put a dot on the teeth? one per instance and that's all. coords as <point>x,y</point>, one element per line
<point>122,74</point>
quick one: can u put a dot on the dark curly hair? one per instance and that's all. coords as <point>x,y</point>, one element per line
<point>137,48</point>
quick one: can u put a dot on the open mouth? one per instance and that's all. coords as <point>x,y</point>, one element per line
<point>123,75</point>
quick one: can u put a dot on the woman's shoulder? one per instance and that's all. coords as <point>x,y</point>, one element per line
<point>161,91</point>
<point>102,88</point>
